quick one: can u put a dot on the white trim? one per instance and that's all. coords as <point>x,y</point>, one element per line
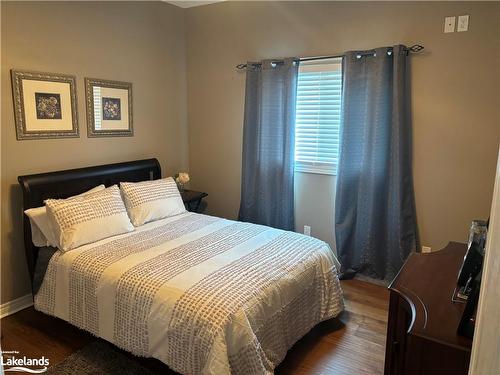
<point>190,4</point>
<point>484,356</point>
<point>316,169</point>
<point>11,307</point>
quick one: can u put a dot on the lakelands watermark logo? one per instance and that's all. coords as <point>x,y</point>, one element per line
<point>13,361</point>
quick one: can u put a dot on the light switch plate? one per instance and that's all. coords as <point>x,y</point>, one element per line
<point>307,230</point>
<point>463,23</point>
<point>449,24</point>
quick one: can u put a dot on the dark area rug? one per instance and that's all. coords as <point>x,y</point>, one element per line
<point>98,358</point>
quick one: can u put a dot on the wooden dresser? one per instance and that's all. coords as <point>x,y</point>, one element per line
<point>422,334</point>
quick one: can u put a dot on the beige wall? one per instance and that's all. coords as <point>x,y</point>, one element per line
<point>455,96</point>
<point>142,43</point>
<point>315,205</point>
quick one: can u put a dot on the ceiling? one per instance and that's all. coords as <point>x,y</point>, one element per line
<point>190,4</point>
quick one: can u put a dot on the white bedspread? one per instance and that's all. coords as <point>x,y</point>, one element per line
<point>200,293</point>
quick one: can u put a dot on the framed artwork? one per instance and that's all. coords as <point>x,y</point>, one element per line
<point>109,108</point>
<point>45,105</point>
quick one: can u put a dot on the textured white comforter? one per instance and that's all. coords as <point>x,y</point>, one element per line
<point>200,293</point>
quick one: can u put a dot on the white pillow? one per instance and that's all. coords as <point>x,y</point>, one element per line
<point>152,200</point>
<point>41,232</point>
<point>81,220</point>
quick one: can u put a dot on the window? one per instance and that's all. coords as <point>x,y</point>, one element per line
<point>317,126</point>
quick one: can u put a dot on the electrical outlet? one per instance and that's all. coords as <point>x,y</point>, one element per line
<point>307,230</point>
<point>426,249</point>
<point>463,23</point>
<point>449,25</point>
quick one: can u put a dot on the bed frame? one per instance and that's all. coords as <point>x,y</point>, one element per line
<point>63,184</point>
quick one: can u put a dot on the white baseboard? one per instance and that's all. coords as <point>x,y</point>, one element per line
<point>11,307</point>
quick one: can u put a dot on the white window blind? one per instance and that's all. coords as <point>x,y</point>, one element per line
<point>319,99</point>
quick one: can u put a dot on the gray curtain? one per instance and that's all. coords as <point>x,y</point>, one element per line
<point>269,144</point>
<point>375,222</point>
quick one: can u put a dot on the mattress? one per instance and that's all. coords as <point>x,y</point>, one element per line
<point>204,295</point>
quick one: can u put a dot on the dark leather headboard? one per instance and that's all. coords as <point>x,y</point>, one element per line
<point>63,184</point>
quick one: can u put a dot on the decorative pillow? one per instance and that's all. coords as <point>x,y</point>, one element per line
<point>41,232</point>
<point>81,220</point>
<point>152,200</point>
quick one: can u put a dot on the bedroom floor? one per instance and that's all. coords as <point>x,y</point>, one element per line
<point>352,344</point>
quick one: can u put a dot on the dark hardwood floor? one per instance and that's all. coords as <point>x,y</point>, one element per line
<point>351,344</point>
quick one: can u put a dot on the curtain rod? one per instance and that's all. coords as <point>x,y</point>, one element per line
<point>414,48</point>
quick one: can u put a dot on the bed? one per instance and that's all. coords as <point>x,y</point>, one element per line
<point>202,294</point>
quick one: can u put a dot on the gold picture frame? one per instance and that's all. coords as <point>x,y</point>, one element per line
<point>109,108</point>
<point>45,105</point>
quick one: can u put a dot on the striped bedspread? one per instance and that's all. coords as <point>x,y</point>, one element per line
<point>202,294</point>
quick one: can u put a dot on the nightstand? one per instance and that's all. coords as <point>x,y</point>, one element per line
<point>192,199</point>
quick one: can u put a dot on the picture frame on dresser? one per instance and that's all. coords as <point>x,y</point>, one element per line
<point>45,105</point>
<point>109,108</point>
